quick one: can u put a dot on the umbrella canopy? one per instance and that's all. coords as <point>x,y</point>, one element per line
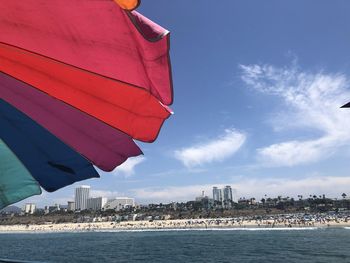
<point>104,146</point>
<point>16,181</point>
<point>51,162</point>
<point>79,81</point>
<point>95,36</point>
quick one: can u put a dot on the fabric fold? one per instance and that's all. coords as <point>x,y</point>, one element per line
<point>104,146</point>
<point>97,36</point>
<point>16,183</point>
<point>51,162</point>
<point>122,106</point>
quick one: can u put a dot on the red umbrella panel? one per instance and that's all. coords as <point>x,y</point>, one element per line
<point>104,146</point>
<point>96,36</point>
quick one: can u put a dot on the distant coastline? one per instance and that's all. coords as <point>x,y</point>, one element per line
<point>181,224</point>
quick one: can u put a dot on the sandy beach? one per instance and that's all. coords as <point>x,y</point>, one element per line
<point>180,224</point>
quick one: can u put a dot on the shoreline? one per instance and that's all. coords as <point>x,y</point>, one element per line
<point>173,225</point>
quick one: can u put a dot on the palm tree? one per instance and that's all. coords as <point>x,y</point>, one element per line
<point>344,195</point>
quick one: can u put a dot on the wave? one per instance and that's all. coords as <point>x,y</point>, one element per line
<point>165,230</point>
<point>206,229</point>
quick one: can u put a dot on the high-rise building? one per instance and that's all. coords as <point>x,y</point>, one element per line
<point>234,195</point>
<point>96,203</point>
<point>217,194</point>
<point>227,194</point>
<point>224,196</point>
<point>81,196</point>
<point>29,208</point>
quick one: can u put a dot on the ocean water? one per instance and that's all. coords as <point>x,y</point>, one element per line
<point>254,245</point>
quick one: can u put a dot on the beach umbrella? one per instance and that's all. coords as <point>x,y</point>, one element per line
<point>97,141</point>
<point>51,162</point>
<point>79,81</point>
<point>16,181</point>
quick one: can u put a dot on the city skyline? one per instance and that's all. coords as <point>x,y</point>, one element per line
<point>256,106</point>
<point>217,196</point>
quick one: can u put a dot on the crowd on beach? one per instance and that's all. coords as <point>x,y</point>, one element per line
<point>273,221</point>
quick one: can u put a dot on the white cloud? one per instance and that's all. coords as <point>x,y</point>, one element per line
<point>104,193</point>
<point>128,167</point>
<point>215,150</point>
<point>312,100</point>
<point>296,152</point>
<point>332,186</point>
<point>171,193</point>
<point>251,187</point>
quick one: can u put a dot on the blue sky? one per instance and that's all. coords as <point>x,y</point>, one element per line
<point>258,85</point>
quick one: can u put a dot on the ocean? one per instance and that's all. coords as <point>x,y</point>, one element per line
<point>228,245</point>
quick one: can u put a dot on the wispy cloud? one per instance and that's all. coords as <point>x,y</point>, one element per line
<point>250,187</point>
<point>218,149</point>
<point>312,100</point>
<point>128,168</point>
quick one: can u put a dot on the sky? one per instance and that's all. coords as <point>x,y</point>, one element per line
<point>258,86</point>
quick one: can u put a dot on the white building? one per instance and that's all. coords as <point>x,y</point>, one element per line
<point>81,196</point>
<point>119,203</point>
<point>96,203</point>
<point>227,193</point>
<point>234,195</point>
<point>29,208</point>
<point>71,206</point>
<point>225,196</point>
<point>217,194</point>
